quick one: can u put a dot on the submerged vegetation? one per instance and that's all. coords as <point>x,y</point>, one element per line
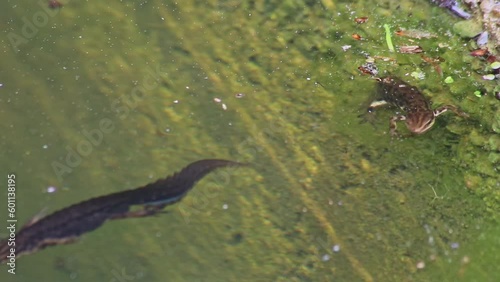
<point>276,85</point>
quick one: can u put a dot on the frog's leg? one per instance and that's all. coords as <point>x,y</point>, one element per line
<point>375,104</point>
<point>393,126</point>
<point>446,108</point>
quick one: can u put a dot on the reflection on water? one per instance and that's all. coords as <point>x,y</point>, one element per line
<point>329,198</point>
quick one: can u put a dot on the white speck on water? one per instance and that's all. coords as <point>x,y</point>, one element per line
<point>225,206</point>
<point>420,265</point>
<point>325,258</point>
<point>51,189</point>
<point>45,146</point>
<point>308,78</point>
<point>217,100</point>
<point>346,47</point>
<point>427,228</point>
<point>336,248</point>
<point>187,87</point>
<point>176,101</point>
<point>224,107</point>
<point>489,77</point>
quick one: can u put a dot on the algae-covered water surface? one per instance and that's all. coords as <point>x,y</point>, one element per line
<point>106,96</point>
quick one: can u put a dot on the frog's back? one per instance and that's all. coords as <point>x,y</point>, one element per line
<point>397,92</point>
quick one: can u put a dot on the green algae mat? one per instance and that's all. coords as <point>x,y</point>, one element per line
<point>99,97</point>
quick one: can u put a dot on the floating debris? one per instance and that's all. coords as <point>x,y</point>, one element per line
<point>54,4</point>
<point>388,38</point>
<point>449,80</point>
<point>489,77</point>
<point>51,189</point>
<point>385,59</point>
<point>482,39</point>
<point>336,248</point>
<point>434,62</point>
<point>361,20</point>
<point>412,49</point>
<point>325,258</point>
<point>356,36</point>
<point>346,47</point>
<point>479,52</point>
<point>495,65</point>
<point>414,33</point>
<point>453,7</point>
<point>418,74</point>
<point>368,68</point>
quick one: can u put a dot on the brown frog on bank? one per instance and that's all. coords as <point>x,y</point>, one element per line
<point>419,115</point>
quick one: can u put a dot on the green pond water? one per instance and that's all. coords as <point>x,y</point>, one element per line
<point>99,97</point>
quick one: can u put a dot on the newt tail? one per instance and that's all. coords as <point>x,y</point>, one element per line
<point>66,225</point>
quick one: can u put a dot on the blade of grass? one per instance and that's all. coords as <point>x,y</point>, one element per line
<point>388,37</point>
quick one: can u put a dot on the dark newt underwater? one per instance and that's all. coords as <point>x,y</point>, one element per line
<point>66,225</point>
